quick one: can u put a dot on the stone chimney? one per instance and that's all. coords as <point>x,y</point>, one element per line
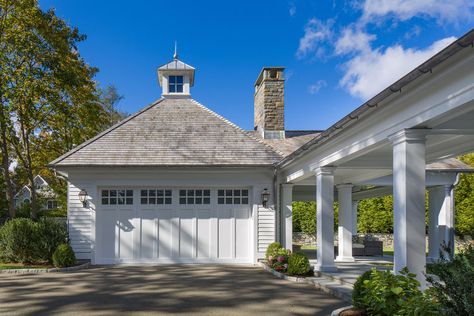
<point>269,104</point>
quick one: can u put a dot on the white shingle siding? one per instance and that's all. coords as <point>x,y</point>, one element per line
<point>79,222</point>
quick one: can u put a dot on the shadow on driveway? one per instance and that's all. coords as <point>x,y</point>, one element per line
<point>187,289</point>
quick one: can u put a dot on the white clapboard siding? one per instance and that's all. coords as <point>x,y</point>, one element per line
<point>266,228</point>
<point>79,219</point>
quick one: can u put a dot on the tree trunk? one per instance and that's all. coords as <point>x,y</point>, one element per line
<point>6,165</point>
<point>29,169</point>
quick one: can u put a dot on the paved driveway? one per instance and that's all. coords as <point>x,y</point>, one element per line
<point>151,290</point>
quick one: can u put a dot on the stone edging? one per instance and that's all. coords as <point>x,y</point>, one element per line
<point>309,280</point>
<point>38,271</point>
<point>340,310</point>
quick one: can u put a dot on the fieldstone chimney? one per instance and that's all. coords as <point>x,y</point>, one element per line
<point>269,104</point>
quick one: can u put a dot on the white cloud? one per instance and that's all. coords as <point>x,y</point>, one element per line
<point>371,71</point>
<point>442,10</point>
<point>314,88</point>
<point>315,32</point>
<point>353,40</point>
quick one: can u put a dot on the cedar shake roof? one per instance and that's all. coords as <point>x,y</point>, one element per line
<point>292,141</point>
<point>172,132</point>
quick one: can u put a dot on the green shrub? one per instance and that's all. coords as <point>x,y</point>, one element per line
<point>51,234</point>
<point>25,241</point>
<point>455,287</point>
<point>272,249</point>
<point>357,291</point>
<point>64,256</point>
<point>383,293</point>
<point>19,241</point>
<point>304,217</point>
<point>298,264</point>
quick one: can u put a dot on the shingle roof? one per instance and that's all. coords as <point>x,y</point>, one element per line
<point>172,132</point>
<point>292,141</point>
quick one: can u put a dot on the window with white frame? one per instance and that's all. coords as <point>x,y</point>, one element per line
<point>155,196</point>
<point>117,197</point>
<point>232,196</point>
<point>52,204</point>
<point>175,84</point>
<point>198,196</point>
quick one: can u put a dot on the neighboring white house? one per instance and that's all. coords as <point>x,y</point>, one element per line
<point>23,196</point>
<point>176,182</point>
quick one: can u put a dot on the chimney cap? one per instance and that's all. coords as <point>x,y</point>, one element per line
<point>261,75</point>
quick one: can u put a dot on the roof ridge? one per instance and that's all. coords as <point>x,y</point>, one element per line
<point>103,133</point>
<point>235,126</point>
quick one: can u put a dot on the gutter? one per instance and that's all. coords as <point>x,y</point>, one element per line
<point>427,67</point>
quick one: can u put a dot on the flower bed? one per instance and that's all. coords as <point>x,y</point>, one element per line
<point>284,261</point>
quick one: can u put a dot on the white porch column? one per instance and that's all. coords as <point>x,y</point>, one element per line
<point>344,192</point>
<point>355,204</point>
<point>441,222</point>
<point>287,212</point>
<point>409,202</point>
<point>446,221</point>
<point>435,203</point>
<point>325,219</point>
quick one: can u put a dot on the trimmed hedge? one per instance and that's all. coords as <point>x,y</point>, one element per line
<point>25,241</point>
<point>298,264</point>
<point>63,256</point>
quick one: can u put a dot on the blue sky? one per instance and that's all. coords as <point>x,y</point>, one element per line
<point>336,53</point>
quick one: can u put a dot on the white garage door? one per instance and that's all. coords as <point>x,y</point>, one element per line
<point>173,225</point>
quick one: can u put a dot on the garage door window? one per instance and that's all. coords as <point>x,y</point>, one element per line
<point>154,196</point>
<point>117,197</point>
<point>232,196</point>
<point>194,196</point>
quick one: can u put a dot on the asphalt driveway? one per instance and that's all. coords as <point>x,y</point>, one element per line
<point>152,290</point>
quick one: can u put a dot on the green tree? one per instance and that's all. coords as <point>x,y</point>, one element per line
<point>50,102</point>
<point>375,215</point>
<point>464,200</point>
<point>109,99</point>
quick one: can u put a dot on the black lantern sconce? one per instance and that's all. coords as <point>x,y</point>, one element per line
<point>83,197</point>
<point>265,197</point>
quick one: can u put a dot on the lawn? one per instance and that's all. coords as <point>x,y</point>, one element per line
<point>9,266</point>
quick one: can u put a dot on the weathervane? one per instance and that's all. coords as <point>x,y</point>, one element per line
<point>175,56</point>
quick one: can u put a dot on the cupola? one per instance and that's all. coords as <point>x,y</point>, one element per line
<point>176,78</point>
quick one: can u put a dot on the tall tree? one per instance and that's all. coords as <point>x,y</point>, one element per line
<point>109,99</point>
<point>49,98</point>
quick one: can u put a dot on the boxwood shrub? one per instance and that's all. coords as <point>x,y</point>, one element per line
<point>63,256</point>
<point>298,264</point>
<point>272,250</point>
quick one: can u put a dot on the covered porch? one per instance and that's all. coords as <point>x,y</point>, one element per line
<point>400,142</point>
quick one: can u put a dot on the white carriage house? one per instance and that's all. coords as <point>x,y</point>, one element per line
<point>178,183</point>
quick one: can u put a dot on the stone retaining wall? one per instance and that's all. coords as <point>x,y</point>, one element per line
<point>306,239</point>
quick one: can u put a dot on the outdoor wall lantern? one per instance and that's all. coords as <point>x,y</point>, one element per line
<point>83,197</point>
<point>265,197</point>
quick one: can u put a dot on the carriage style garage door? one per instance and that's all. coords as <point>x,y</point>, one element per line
<point>173,225</point>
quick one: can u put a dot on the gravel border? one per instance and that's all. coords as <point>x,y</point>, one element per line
<point>50,270</point>
<point>326,285</point>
